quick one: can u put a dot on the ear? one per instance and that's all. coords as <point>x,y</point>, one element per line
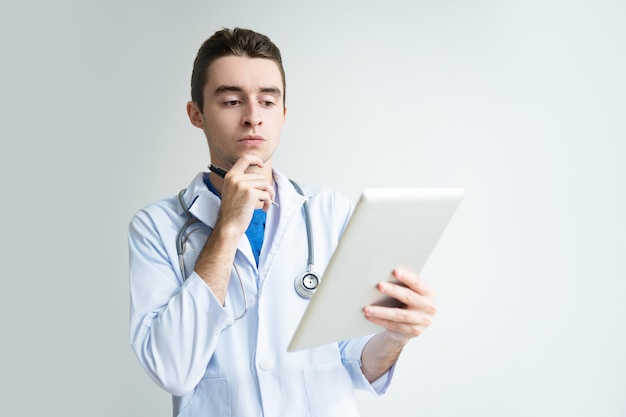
<point>195,115</point>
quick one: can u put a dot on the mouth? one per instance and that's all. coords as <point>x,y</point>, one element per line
<point>252,140</point>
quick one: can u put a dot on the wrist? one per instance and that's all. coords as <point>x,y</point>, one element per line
<point>226,232</point>
<point>395,338</point>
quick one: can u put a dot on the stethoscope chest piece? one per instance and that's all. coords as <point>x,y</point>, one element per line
<point>306,284</point>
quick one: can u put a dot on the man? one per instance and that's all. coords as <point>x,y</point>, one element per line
<point>213,305</point>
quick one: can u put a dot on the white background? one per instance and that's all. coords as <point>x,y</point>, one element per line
<point>521,103</point>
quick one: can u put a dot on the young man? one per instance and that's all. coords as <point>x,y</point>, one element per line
<point>213,304</point>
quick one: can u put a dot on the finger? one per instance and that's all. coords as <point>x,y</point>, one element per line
<point>404,295</point>
<point>412,281</point>
<point>264,191</point>
<point>266,199</point>
<point>407,330</point>
<point>244,162</point>
<point>393,314</point>
<point>408,323</point>
<point>411,299</point>
<point>242,190</point>
<point>245,170</point>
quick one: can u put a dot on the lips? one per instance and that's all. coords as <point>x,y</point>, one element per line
<point>252,140</point>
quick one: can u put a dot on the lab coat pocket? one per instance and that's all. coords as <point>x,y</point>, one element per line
<point>211,398</point>
<point>330,391</point>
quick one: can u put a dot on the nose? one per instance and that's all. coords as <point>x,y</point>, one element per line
<point>251,116</point>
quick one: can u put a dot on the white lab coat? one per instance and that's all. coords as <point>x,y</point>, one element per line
<point>192,346</point>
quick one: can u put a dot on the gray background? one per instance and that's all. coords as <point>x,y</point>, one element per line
<point>522,103</point>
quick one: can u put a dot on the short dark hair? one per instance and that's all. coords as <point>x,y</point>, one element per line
<point>231,42</point>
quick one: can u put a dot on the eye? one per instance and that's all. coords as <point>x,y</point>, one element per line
<point>267,103</point>
<point>231,103</point>
<point>266,100</point>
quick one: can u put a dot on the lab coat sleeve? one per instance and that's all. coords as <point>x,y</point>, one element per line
<point>351,351</point>
<point>174,327</point>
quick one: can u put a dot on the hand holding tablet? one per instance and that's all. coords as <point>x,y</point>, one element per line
<point>390,228</point>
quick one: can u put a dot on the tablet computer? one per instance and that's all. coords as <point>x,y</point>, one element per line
<point>389,228</point>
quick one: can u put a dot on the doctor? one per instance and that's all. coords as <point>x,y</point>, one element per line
<point>213,303</point>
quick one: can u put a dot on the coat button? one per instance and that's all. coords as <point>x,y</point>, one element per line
<point>265,364</point>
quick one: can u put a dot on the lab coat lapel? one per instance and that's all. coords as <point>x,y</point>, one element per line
<point>279,220</point>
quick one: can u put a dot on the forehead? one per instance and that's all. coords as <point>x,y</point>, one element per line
<point>247,73</point>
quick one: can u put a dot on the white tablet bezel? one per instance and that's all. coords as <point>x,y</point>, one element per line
<point>389,228</point>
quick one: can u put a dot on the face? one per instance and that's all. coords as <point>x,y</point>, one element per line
<point>243,109</point>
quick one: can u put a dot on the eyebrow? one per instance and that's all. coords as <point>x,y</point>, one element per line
<point>233,88</point>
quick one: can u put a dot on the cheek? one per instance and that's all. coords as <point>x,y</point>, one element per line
<point>222,123</point>
<point>278,122</point>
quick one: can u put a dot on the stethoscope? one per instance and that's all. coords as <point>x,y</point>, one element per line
<point>305,283</point>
